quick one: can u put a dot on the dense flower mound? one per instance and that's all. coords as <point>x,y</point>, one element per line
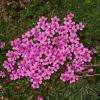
<point>45,49</point>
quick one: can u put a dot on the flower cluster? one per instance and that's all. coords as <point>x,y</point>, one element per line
<point>46,48</point>
<point>2,45</point>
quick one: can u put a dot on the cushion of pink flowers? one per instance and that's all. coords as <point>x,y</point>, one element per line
<point>44,49</point>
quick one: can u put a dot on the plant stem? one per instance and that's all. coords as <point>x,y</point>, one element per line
<point>93,65</point>
<point>90,75</point>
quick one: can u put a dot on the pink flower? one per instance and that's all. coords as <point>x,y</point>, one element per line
<point>80,26</point>
<point>2,74</point>
<point>90,70</point>
<point>55,19</point>
<point>39,97</point>
<point>2,45</point>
